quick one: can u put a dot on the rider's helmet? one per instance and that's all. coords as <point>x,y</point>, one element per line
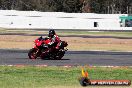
<point>51,33</point>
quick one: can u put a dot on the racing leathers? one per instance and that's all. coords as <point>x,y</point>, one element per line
<point>55,41</point>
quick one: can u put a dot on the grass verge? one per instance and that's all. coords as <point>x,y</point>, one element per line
<point>71,32</point>
<point>56,77</point>
<point>88,40</point>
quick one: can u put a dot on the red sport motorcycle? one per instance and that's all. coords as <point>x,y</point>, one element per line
<point>44,51</point>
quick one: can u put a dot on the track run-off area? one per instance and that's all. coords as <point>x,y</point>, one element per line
<point>71,58</point>
<point>16,56</point>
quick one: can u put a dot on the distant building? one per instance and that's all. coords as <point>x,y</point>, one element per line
<point>126,21</point>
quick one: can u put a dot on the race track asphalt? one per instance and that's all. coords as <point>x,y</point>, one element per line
<point>73,58</point>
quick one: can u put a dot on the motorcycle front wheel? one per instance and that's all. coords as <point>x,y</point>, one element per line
<point>32,54</point>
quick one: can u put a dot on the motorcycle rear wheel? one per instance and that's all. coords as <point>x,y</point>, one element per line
<point>59,56</point>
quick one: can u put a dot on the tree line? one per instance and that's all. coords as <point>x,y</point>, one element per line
<point>71,6</point>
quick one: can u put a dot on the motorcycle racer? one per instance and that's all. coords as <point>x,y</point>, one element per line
<point>50,47</point>
<point>55,40</point>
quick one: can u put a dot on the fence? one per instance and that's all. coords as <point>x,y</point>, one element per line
<point>60,20</point>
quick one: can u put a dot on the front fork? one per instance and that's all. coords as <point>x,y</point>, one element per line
<point>37,51</point>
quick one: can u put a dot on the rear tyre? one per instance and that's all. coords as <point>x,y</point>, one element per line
<point>60,55</point>
<point>32,53</point>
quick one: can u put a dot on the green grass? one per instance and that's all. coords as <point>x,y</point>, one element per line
<point>97,33</point>
<point>68,32</point>
<point>41,77</point>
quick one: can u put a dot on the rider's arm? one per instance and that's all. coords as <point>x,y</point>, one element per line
<point>54,39</point>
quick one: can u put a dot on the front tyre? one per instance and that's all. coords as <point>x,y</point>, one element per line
<point>32,54</point>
